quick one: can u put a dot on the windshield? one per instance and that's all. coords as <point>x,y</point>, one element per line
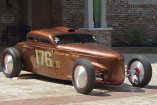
<point>74,38</point>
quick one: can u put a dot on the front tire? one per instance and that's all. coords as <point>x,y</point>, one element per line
<point>143,73</point>
<point>11,62</point>
<point>83,76</point>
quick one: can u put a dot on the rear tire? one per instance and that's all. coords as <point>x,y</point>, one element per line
<point>11,62</point>
<point>83,76</point>
<point>144,71</point>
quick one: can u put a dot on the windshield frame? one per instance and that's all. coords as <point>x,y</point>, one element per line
<point>57,39</point>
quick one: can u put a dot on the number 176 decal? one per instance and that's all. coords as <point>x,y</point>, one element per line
<point>45,58</point>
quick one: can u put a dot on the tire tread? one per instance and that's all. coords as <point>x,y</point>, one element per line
<point>90,76</point>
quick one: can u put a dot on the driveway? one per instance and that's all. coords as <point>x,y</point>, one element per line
<point>33,89</point>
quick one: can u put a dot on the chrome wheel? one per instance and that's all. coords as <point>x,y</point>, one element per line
<point>139,74</point>
<point>8,63</point>
<point>80,76</point>
<point>139,70</point>
<point>83,76</point>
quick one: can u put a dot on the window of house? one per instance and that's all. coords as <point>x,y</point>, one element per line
<point>89,14</point>
<point>42,40</point>
<point>142,1</point>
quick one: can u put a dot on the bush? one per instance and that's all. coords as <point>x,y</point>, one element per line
<point>135,36</point>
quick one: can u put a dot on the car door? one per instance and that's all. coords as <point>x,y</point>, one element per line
<point>42,57</point>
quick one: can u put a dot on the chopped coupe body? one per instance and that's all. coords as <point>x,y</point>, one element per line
<point>70,54</point>
<point>41,45</point>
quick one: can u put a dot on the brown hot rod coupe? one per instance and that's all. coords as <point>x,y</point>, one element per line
<point>70,54</point>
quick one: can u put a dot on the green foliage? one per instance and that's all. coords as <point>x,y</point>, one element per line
<point>96,10</point>
<point>135,36</point>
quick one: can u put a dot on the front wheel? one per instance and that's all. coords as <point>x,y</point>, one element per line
<point>141,70</point>
<point>83,76</point>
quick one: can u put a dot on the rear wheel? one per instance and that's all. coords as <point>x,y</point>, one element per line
<point>83,76</point>
<point>11,62</point>
<point>142,71</point>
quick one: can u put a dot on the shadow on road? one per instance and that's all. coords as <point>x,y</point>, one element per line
<point>120,90</point>
<point>99,89</point>
<point>151,87</point>
<point>43,78</point>
<point>124,88</point>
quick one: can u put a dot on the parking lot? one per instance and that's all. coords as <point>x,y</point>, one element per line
<point>30,89</point>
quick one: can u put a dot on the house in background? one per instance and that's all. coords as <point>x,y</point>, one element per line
<point>116,17</point>
<point>125,14</point>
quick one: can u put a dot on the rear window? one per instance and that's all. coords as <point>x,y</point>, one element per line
<point>74,38</point>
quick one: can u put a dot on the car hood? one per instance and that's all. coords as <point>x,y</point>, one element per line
<point>90,49</point>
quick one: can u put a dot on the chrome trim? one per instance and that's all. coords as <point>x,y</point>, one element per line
<point>130,73</point>
<point>97,74</point>
<point>8,63</point>
<point>80,76</point>
<point>140,76</point>
<point>98,78</point>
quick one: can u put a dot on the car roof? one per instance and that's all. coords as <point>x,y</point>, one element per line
<point>50,33</point>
